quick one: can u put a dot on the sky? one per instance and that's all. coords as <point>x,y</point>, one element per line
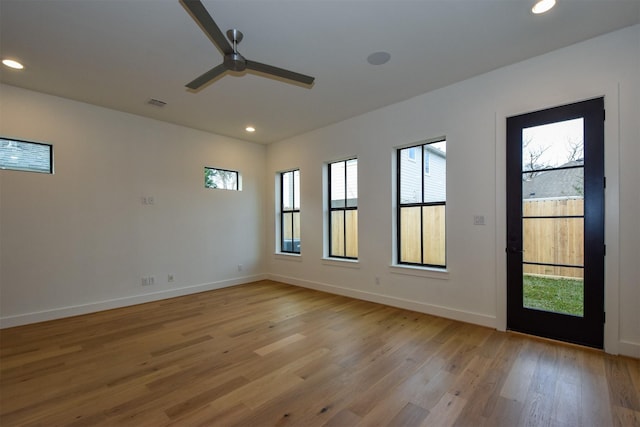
<point>555,139</point>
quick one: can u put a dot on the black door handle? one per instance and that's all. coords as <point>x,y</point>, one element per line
<point>513,250</point>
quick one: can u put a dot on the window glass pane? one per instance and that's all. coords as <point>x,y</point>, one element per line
<point>287,226</point>
<point>287,190</point>
<point>296,187</point>
<point>433,229</point>
<point>352,183</point>
<point>25,156</point>
<point>553,184</point>
<point>435,181</point>
<point>337,184</point>
<point>352,233</point>
<point>552,145</point>
<point>337,233</point>
<point>220,178</point>
<point>296,226</point>
<point>410,177</point>
<point>410,235</point>
<point>553,241</point>
<point>425,156</point>
<point>291,232</point>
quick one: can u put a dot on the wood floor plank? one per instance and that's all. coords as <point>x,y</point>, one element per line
<point>270,354</point>
<point>411,415</point>
<point>279,344</point>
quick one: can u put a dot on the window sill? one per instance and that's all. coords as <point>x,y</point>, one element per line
<point>411,270</point>
<point>339,262</point>
<point>286,256</point>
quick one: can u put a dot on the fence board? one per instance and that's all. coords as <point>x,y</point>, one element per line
<point>555,241</point>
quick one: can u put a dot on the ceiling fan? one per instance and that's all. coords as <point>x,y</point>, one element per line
<point>233,61</point>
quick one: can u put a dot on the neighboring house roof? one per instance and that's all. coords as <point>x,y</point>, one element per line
<point>431,148</point>
<point>555,183</point>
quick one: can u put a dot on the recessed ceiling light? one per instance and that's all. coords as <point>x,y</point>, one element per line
<point>543,6</point>
<point>250,129</point>
<point>13,64</point>
<point>378,58</point>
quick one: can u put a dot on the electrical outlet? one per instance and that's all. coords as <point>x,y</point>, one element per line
<point>148,280</point>
<point>239,267</point>
<point>478,220</point>
<point>377,280</point>
<point>170,278</point>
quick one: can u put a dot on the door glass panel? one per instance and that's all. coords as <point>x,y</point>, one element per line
<point>553,217</point>
<point>554,191</point>
<point>556,241</point>
<point>552,145</point>
<point>556,293</point>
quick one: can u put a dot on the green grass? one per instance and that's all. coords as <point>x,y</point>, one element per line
<point>553,294</point>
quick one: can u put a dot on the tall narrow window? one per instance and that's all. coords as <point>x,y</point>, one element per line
<point>343,209</point>
<point>290,212</point>
<point>422,196</point>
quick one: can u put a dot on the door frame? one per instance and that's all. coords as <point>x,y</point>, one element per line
<point>587,329</point>
<point>520,103</point>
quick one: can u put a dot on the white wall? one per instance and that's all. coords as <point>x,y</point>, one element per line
<point>472,116</point>
<point>80,240</point>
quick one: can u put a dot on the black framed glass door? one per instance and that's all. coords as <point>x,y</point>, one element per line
<point>555,223</point>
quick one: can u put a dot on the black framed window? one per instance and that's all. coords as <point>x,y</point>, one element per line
<point>290,212</point>
<point>343,209</point>
<point>421,204</point>
<point>26,156</point>
<point>221,178</point>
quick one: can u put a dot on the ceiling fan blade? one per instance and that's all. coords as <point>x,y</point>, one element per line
<point>280,72</point>
<point>208,25</point>
<point>206,77</point>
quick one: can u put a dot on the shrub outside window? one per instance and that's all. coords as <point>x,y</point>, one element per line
<point>343,209</point>
<point>422,196</point>
<point>290,212</point>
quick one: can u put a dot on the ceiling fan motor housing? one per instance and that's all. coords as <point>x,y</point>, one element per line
<point>235,62</point>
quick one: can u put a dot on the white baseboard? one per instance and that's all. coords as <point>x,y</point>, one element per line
<point>76,310</point>
<point>628,348</point>
<point>436,310</point>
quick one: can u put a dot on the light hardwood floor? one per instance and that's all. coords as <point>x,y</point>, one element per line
<point>269,354</point>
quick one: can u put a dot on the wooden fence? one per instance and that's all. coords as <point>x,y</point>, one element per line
<point>338,235</point>
<point>553,241</point>
<point>433,236</point>
<point>545,240</point>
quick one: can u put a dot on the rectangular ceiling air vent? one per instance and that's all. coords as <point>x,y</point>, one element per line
<point>156,102</point>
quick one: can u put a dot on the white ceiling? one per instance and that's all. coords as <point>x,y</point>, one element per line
<point>120,53</point>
